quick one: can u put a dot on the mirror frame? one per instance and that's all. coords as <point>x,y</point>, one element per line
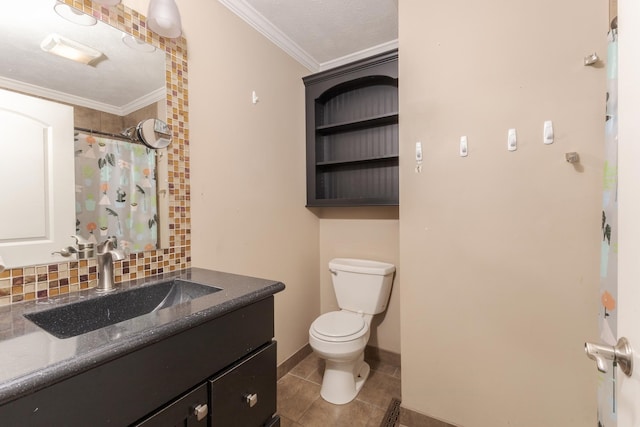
<point>42,281</point>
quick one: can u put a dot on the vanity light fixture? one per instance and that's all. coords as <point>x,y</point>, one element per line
<point>163,18</point>
<point>70,49</point>
<point>74,15</point>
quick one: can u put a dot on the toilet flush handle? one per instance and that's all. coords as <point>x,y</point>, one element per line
<point>334,272</point>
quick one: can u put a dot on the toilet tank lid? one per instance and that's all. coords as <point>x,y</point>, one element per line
<point>363,266</point>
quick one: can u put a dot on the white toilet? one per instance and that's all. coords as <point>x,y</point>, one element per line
<point>362,289</point>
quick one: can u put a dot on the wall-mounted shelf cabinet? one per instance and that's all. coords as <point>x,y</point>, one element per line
<point>352,133</point>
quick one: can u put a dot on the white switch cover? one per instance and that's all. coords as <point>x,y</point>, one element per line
<point>419,152</point>
<point>464,149</point>
<point>548,132</point>
<point>512,140</point>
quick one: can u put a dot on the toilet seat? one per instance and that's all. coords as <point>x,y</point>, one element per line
<point>339,326</point>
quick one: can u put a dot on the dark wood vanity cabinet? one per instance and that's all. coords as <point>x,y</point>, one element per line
<point>352,133</point>
<point>219,373</point>
<point>244,394</point>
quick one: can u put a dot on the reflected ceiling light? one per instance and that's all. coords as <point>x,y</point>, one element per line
<point>136,44</point>
<point>163,18</point>
<point>74,15</point>
<point>107,2</point>
<point>70,49</point>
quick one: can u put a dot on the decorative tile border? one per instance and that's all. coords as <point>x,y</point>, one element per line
<point>41,281</point>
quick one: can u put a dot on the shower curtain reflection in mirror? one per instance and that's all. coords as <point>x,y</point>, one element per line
<point>116,192</point>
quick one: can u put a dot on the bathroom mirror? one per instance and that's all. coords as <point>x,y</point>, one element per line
<point>117,88</point>
<point>126,76</point>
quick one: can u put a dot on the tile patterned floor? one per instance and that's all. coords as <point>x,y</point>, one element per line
<point>300,404</point>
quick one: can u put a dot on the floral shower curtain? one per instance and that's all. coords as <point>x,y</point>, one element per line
<point>609,243</point>
<point>116,192</point>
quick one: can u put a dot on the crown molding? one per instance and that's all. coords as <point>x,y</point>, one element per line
<point>159,94</point>
<point>251,16</point>
<point>257,21</point>
<point>43,92</point>
<point>365,53</point>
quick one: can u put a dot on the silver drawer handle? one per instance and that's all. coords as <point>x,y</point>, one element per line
<point>251,399</point>
<point>201,411</point>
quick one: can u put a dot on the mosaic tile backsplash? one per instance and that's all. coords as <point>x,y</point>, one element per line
<point>41,281</point>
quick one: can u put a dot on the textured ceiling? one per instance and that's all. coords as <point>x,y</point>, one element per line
<point>122,78</point>
<point>320,34</point>
<point>324,33</point>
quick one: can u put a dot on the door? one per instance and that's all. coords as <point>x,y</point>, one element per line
<point>619,394</point>
<point>628,389</point>
<point>38,216</point>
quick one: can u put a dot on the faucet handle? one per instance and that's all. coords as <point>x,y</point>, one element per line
<point>66,252</point>
<point>107,245</point>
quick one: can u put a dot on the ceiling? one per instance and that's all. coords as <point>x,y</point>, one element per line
<point>123,81</point>
<point>322,34</point>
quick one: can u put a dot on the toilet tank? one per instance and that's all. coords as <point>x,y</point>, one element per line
<point>361,285</point>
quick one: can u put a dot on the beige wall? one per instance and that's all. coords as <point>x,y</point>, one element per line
<point>345,234</point>
<point>500,251</point>
<point>247,178</point>
<point>248,164</point>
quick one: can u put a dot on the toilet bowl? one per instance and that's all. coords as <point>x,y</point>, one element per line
<point>340,337</point>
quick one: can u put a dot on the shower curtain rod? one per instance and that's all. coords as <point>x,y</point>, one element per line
<point>110,135</point>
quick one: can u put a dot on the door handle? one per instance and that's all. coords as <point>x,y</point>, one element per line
<point>621,354</point>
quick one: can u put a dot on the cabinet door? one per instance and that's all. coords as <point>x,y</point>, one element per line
<point>245,394</point>
<point>188,411</point>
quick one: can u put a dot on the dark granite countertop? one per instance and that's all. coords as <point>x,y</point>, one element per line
<point>31,359</point>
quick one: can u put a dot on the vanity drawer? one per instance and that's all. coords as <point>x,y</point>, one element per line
<point>245,394</point>
<point>189,410</point>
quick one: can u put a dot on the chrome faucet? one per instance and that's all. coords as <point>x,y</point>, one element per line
<point>107,254</point>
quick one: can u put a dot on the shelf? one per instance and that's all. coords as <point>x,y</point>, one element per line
<point>352,202</point>
<point>352,134</point>
<point>358,161</point>
<point>370,182</point>
<point>369,122</point>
